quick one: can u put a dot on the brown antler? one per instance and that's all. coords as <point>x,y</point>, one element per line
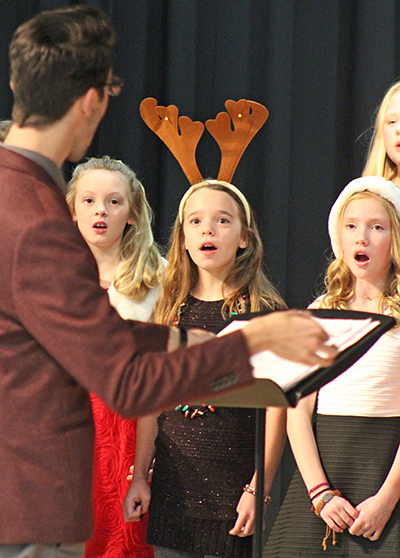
<point>164,122</point>
<point>247,118</point>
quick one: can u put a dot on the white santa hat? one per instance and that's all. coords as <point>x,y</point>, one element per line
<point>384,188</point>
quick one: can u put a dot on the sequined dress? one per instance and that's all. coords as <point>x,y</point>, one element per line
<point>201,467</point>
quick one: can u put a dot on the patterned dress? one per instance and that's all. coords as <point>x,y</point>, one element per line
<point>114,454</point>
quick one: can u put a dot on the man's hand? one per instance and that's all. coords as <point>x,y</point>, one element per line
<point>292,335</point>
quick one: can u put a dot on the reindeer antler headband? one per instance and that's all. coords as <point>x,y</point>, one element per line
<point>247,118</point>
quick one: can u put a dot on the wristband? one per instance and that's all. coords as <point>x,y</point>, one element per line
<point>183,337</point>
<point>325,499</point>
<point>319,492</point>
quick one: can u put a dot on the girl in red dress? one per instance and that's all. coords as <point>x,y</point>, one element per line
<point>109,206</point>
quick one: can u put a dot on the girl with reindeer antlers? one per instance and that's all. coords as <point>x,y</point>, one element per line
<point>202,491</point>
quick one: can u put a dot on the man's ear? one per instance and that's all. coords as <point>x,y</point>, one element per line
<point>88,101</point>
<point>12,85</point>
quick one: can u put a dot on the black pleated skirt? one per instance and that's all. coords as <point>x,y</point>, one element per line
<point>356,453</point>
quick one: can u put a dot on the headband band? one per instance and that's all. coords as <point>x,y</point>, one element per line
<point>204,184</point>
<point>376,184</point>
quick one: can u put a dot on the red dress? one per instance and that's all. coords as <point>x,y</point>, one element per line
<point>114,453</point>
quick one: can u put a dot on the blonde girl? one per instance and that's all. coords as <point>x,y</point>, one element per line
<point>109,206</point>
<point>384,153</point>
<point>348,452</point>
<point>202,500</point>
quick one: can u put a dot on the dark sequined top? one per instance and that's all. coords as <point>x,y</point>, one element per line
<point>201,467</point>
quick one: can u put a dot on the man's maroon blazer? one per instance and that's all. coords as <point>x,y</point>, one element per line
<point>60,339</point>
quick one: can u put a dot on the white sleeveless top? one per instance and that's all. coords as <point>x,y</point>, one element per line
<point>371,387</point>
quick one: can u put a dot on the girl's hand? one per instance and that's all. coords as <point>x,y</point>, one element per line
<point>137,500</point>
<point>338,513</point>
<point>246,510</point>
<point>374,513</point>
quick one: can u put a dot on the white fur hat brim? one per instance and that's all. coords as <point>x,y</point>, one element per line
<point>376,184</point>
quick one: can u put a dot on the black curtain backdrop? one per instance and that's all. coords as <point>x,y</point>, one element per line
<point>321,68</point>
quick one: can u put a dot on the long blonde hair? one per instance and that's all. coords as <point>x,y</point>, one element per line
<point>378,163</point>
<point>339,280</point>
<point>141,267</point>
<point>246,278</point>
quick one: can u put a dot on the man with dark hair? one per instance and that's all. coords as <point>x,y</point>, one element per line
<point>55,59</point>
<point>59,336</point>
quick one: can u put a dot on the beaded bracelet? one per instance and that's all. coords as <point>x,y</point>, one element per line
<point>252,490</point>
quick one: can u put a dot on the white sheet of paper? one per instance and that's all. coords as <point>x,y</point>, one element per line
<point>286,373</point>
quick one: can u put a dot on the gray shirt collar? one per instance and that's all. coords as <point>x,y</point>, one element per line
<point>49,166</point>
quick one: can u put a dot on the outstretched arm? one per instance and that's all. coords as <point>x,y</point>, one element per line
<point>338,513</point>
<point>275,437</point>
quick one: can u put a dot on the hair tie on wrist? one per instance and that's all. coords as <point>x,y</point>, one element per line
<point>183,337</point>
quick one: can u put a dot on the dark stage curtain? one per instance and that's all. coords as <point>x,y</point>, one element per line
<point>321,68</point>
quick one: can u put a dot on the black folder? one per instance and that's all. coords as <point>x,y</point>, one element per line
<point>266,392</point>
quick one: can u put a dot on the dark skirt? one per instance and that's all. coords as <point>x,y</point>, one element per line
<point>356,453</point>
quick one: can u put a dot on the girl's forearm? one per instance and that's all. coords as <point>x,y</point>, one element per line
<point>302,441</point>
<point>390,489</point>
<point>146,433</point>
<point>275,439</point>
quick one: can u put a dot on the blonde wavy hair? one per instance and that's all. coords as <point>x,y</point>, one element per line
<point>339,281</point>
<point>141,267</point>
<point>378,163</point>
<point>246,278</point>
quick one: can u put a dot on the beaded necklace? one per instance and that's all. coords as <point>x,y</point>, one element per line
<point>187,410</point>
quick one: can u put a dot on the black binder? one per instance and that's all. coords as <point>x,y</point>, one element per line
<point>266,392</point>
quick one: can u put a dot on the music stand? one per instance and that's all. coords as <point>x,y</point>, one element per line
<point>264,393</point>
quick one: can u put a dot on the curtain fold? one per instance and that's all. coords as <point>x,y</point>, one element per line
<point>321,69</point>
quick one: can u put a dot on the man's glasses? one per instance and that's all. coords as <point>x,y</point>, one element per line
<point>115,86</point>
